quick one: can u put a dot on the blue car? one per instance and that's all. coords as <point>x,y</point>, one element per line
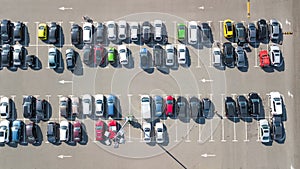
<point>111,100</point>
<point>16,131</point>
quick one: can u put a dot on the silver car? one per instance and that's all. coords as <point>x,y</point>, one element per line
<point>18,55</point>
<point>122,33</point>
<point>241,58</point>
<point>87,104</point>
<point>274,30</point>
<point>134,31</point>
<point>111,31</point>
<point>170,55</point>
<point>158,30</point>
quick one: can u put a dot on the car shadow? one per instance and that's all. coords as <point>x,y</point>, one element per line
<point>26,39</point>
<point>85,137</point>
<point>284,114</point>
<point>61,37</point>
<point>130,64</point>
<point>13,110</point>
<point>48,111</point>
<point>118,109</point>
<point>254,44</point>
<point>165,136</point>
<point>78,69</point>
<point>60,66</point>
<point>39,140</point>
<point>268,69</point>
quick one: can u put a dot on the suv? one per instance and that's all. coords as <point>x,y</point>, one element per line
<point>40,109</point>
<point>6,60</point>
<point>195,107</point>
<point>262,30</point>
<point>240,31</point>
<point>230,107</point>
<point>31,133</point>
<point>274,29</point>
<point>276,103</point>
<point>158,30</point>
<point>277,129</point>
<point>28,106</point>
<point>205,33</point>
<point>158,102</point>
<point>228,51</point>
<point>242,105</point>
<point>241,58</point>
<point>18,32</point>
<point>87,53</point>
<point>52,58</point>
<point>5,108</point>
<point>122,32</point>
<point>182,108</point>
<point>76,34</point>
<point>53,132</point>
<point>53,33</point>
<point>254,104</point>
<point>275,56</point>
<point>146,29</point>
<point>158,55</point>
<point>6,31</point>
<point>111,101</point>
<point>251,31</point>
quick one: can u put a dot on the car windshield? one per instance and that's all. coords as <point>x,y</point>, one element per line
<point>193,27</point>
<point>229,27</point>
<point>122,51</point>
<point>64,127</point>
<point>63,103</point>
<point>99,127</point>
<point>147,130</point>
<point>181,50</point>
<point>86,100</point>
<point>99,101</point>
<point>181,27</point>
<point>111,26</point>
<point>1,134</point>
<point>77,128</point>
<point>217,53</point>
<point>41,27</point>
<point>145,99</point>
<point>159,130</point>
<point>170,50</point>
<point>169,102</point>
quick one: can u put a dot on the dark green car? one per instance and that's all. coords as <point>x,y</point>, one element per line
<point>181,31</point>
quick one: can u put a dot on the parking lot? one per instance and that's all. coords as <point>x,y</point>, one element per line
<point>215,142</point>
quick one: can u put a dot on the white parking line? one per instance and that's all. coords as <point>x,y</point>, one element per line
<point>234,131</point>
<point>59,118</point>
<point>176,140</point>
<point>211,133</point>
<point>220,32</point>
<point>37,39</point>
<point>129,109</point>
<point>222,120</point>
<point>175,32</point>
<point>188,133</point>
<point>256,58</point>
<point>200,132</point>
<point>210,57</point>
<point>246,131</point>
<point>258,133</point>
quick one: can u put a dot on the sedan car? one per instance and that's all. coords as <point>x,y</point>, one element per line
<point>111,31</point>
<point>158,56</point>
<point>77,131</point>
<point>158,30</point>
<point>99,105</point>
<point>146,32</point>
<point>147,132</point>
<point>31,133</point>
<point>87,104</point>
<point>100,129</point>
<point>99,55</point>
<point>217,57</point>
<point>4,131</point>
<point>205,33</point>
<point>182,108</point>
<point>276,103</point>
<point>264,59</point>
<point>275,56</point>
<point>144,59</point>
<point>111,101</point>
<point>277,129</point>
<point>43,31</point>
<point>195,107</point>
<point>5,108</point>
<point>251,33</point>
<point>75,106</point>
<point>111,56</point>
<point>230,107</point>
<point>228,28</point>
<point>181,52</point>
<point>70,59</point>
<point>64,131</point>
<point>53,132</point>
<point>158,103</point>
<point>262,27</point>
<point>76,34</point>
<point>123,54</point>
<point>6,32</point>
<point>206,107</point>
<point>87,54</point>
<point>16,131</point>
<point>18,32</point>
<point>40,109</point>
<point>192,32</point>
<point>52,58</point>
<point>181,32</point>
<point>64,106</point>
<point>242,106</point>
<point>170,58</point>
<point>87,33</point>
<point>18,55</point>
<point>6,56</point>
<point>169,106</point>
<point>228,52</point>
<point>240,32</point>
<point>134,31</point>
<point>274,30</point>
<point>159,132</point>
<point>53,33</point>
<point>29,106</point>
<point>100,36</point>
<point>254,104</point>
<point>241,58</point>
<point>264,131</point>
<point>122,30</point>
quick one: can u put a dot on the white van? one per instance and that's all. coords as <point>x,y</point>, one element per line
<point>192,32</point>
<point>145,107</point>
<point>87,32</point>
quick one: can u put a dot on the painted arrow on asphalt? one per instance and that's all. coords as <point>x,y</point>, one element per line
<point>206,80</point>
<point>63,156</point>
<point>64,8</point>
<point>208,155</point>
<point>65,81</point>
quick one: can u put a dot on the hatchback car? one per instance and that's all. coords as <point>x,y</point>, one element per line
<point>100,36</point>
<point>64,131</point>
<point>228,52</point>
<point>240,57</point>
<point>77,131</point>
<point>53,132</point>
<point>29,106</point>
<point>206,107</point>
<point>64,106</point>
<point>52,58</point>
<point>87,54</point>
<point>181,32</point>
<point>230,107</point>
<point>217,57</point>
<point>99,105</point>
<point>275,56</point>
<point>228,28</point>
<point>122,30</point>
<point>170,58</point>
<point>146,32</point>
<point>264,131</point>
<point>205,33</point>
<point>145,61</point>
<point>111,56</point>
<point>6,31</point>
<point>123,54</point>
<point>262,27</point>
<point>277,129</point>
<point>240,32</point>
<point>31,133</point>
<point>254,104</point>
<point>158,57</point>
<point>192,32</point>
<point>100,129</point>
<point>4,131</point>
<point>18,32</point>
<point>43,31</point>
<point>53,33</point>
<point>134,31</point>
<point>275,103</point>
<point>111,31</point>
<point>6,56</point>
<point>87,33</point>
<point>251,33</point>
<point>5,108</point>
<point>169,106</point>
<point>242,106</point>
<point>87,104</point>
<point>75,105</point>
<point>147,132</point>
<point>76,34</point>
<point>181,52</point>
<point>111,101</point>
<point>274,29</point>
<point>159,132</point>
<point>70,59</point>
<point>16,131</point>
<point>158,103</point>
<point>195,108</point>
<point>158,26</point>
<point>18,55</point>
<point>264,59</point>
<point>40,109</point>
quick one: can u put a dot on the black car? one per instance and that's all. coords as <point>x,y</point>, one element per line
<point>158,55</point>
<point>6,31</point>
<point>53,33</point>
<point>53,132</point>
<point>146,32</point>
<point>29,106</point>
<point>6,56</point>
<point>31,133</point>
<point>76,33</point>
<point>18,32</point>
<point>277,128</point>
<point>40,110</point>
<point>100,33</point>
<point>228,54</point>
<point>205,33</point>
<point>195,107</point>
<point>182,108</point>
<point>242,105</point>
<point>32,61</point>
<point>240,31</point>
<point>206,107</point>
<point>230,107</point>
<point>70,59</point>
<point>262,28</point>
<point>254,104</point>
<point>87,54</point>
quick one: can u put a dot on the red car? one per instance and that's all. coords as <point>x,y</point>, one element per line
<point>99,56</point>
<point>99,130</point>
<point>77,135</point>
<point>264,58</point>
<point>169,106</point>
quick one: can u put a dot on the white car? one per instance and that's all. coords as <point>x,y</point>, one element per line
<point>170,55</point>
<point>64,131</point>
<point>147,132</point>
<point>122,33</point>
<point>158,30</point>
<point>264,131</point>
<point>159,132</point>
<point>123,55</point>
<point>87,32</point>
<point>17,55</point>
<point>4,131</point>
<point>87,104</point>
<point>134,31</point>
<point>4,108</point>
<point>111,31</point>
<point>217,58</point>
<point>275,56</point>
<point>276,103</point>
<point>181,51</point>
<point>192,32</point>
<point>99,105</point>
<point>145,107</point>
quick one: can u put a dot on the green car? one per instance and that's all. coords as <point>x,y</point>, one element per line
<point>181,31</point>
<point>111,55</point>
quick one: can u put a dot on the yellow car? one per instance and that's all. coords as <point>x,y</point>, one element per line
<point>228,28</point>
<point>43,31</point>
